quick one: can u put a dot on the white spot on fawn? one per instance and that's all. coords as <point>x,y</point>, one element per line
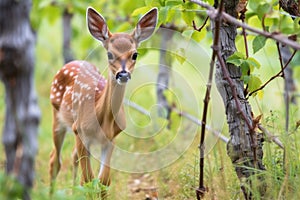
<point>71,73</point>
<point>61,87</point>
<point>66,72</point>
<point>58,94</point>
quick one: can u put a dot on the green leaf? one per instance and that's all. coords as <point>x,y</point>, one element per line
<point>170,16</point>
<point>176,121</point>
<point>187,33</point>
<point>188,13</point>
<point>262,9</point>
<point>245,67</point>
<point>237,55</point>
<point>297,24</point>
<point>287,25</point>
<point>253,62</point>
<point>258,43</point>
<point>44,4</point>
<point>180,55</point>
<point>236,62</point>
<point>260,94</point>
<point>246,79</point>
<point>188,17</point>
<point>173,2</point>
<point>125,26</point>
<point>163,14</point>
<point>142,51</point>
<point>237,58</point>
<point>254,83</point>
<point>153,3</point>
<point>198,36</point>
<point>140,11</point>
<point>253,4</point>
<point>195,35</point>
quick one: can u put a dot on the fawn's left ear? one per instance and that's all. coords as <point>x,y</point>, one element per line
<point>146,26</point>
<point>97,25</point>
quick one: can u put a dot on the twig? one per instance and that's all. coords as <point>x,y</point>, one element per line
<point>280,58</point>
<point>263,22</point>
<point>212,13</point>
<point>275,76</point>
<point>201,189</point>
<point>242,17</point>
<point>136,107</point>
<point>270,136</point>
<point>201,27</point>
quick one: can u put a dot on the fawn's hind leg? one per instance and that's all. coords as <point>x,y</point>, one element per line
<point>59,133</point>
<point>75,165</point>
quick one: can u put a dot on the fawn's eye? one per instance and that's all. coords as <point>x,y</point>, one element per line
<point>134,56</point>
<point>110,56</point>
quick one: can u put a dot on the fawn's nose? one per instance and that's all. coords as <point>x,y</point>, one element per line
<point>122,77</point>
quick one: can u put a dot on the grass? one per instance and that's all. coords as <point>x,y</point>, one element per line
<point>178,179</point>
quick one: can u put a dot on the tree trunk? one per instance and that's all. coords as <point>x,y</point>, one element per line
<point>289,84</point>
<point>67,35</point>
<point>292,7</point>
<point>165,63</point>
<point>240,147</point>
<point>22,116</point>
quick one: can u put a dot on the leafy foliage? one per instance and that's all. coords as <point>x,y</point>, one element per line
<point>258,43</point>
<point>247,66</point>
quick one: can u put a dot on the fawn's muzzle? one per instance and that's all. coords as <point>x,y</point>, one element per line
<point>123,76</point>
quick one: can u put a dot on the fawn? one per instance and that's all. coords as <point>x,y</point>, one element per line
<point>90,105</point>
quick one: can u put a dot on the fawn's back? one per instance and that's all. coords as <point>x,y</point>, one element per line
<point>78,82</point>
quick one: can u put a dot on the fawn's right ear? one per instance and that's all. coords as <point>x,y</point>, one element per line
<point>97,25</point>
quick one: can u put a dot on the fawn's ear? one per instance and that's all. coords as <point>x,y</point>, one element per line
<point>146,26</point>
<point>97,25</point>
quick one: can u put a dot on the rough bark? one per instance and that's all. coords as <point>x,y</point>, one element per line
<point>67,35</point>
<point>165,63</point>
<point>22,115</point>
<point>290,6</point>
<point>240,147</point>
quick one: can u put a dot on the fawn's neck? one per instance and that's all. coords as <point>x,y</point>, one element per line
<point>111,100</point>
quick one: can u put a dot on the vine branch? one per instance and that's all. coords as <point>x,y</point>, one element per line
<point>196,121</point>
<point>200,191</point>
<point>201,27</point>
<point>212,13</point>
<point>279,74</point>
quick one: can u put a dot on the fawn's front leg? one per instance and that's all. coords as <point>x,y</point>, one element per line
<point>106,152</point>
<point>104,173</point>
<point>84,160</point>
